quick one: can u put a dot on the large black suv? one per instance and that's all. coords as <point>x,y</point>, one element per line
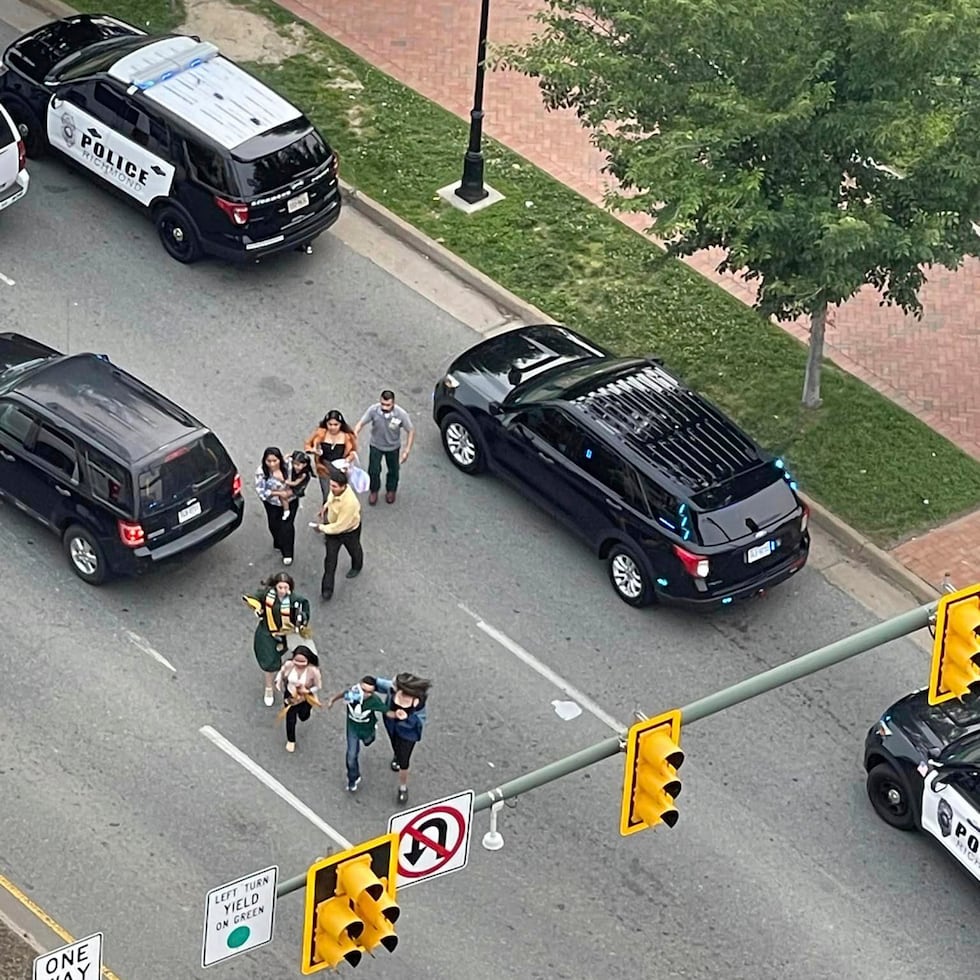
<point>222,164</point>
<point>679,501</point>
<point>126,478</point>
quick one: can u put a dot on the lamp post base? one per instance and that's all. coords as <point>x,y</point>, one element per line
<point>452,195</point>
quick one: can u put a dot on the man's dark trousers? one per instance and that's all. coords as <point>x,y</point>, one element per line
<point>392,459</point>
<point>351,540</point>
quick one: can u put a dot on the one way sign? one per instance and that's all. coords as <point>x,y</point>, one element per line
<point>433,839</point>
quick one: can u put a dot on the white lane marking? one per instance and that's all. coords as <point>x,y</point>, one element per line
<point>546,672</point>
<point>7,280</point>
<point>145,647</point>
<point>272,783</point>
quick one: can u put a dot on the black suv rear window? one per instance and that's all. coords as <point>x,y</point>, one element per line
<point>273,168</point>
<point>182,473</point>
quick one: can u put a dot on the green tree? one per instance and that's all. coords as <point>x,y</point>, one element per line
<point>823,144</point>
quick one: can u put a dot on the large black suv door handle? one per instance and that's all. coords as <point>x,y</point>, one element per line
<point>62,491</point>
<point>614,504</point>
<point>546,457</point>
<point>9,457</point>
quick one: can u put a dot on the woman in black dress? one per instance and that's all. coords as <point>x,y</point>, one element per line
<point>332,442</point>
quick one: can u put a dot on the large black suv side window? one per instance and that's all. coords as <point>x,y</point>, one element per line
<point>56,450</point>
<point>555,428</point>
<point>208,167</point>
<point>109,480</point>
<point>612,472</point>
<point>15,423</point>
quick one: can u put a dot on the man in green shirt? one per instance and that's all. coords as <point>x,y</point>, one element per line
<point>363,704</point>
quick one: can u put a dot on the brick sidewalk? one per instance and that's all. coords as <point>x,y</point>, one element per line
<point>928,367</point>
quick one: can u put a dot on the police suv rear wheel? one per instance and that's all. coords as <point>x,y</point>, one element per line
<point>30,129</point>
<point>890,796</point>
<point>629,578</point>
<point>178,234</point>
<point>85,554</point>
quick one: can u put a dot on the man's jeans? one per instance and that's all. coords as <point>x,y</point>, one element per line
<point>353,749</point>
<point>392,464</point>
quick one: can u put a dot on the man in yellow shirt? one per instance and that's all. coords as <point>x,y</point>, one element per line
<point>342,513</point>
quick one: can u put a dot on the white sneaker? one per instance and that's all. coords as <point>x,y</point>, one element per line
<point>269,698</point>
<point>287,561</point>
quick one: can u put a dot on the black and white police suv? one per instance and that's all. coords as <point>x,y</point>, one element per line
<point>223,164</point>
<point>923,765</point>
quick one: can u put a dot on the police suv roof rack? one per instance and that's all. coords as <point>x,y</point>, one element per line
<point>167,68</point>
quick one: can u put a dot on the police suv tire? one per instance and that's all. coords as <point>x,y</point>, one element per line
<point>629,578</point>
<point>177,233</point>
<point>30,127</point>
<point>889,793</point>
<point>462,444</point>
<point>85,554</point>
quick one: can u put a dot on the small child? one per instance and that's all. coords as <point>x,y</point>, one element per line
<point>297,479</point>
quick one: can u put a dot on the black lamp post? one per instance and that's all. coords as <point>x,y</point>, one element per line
<point>471,187</point>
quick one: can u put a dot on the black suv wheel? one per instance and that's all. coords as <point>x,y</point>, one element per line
<point>85,554</point>
<point>178,234</point>
<point>890,796</point>
<point>462,444</point>
<point>629,578</point>
<point>30,128</point>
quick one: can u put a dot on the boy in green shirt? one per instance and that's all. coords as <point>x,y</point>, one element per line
<point>363,703</point>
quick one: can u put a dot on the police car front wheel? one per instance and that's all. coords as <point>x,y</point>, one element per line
<point>30,129</point>
<point>178,234</point>
<point>890,796</point>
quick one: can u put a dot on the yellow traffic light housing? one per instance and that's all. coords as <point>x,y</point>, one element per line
<point>650,783</point>
<point>956,647</point>
<point>351,905</point>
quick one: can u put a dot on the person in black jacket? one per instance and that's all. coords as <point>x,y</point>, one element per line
<point>404,721</point>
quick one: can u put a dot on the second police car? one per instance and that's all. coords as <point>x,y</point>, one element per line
<point>923,765</point>
<point>223,164</point>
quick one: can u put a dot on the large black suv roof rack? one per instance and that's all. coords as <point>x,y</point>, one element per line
<point>673,428</point>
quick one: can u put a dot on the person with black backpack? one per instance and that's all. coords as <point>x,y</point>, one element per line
<point>404,720</point>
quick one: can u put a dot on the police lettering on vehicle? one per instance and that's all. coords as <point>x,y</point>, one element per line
<point>118,160</point>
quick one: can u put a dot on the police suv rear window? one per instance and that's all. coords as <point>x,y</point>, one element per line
<point>182,473</point>
<point>278,168</point>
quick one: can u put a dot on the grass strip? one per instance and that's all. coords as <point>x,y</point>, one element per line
<point>872,463</point>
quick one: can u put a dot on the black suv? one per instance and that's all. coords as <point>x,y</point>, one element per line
<point>681,503</point>
<point>222,164</point>
<point>122,475</point>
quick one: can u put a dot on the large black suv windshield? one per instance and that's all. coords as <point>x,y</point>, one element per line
<point>558,382</point>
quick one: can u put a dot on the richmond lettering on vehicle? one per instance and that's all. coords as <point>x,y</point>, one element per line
<point>112,161</point>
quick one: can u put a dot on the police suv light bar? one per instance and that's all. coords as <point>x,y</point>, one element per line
<point>166,69</point>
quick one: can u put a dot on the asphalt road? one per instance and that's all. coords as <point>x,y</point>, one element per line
<point>118,815</point>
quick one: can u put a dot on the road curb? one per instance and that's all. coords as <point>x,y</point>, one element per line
<point>849,538</point>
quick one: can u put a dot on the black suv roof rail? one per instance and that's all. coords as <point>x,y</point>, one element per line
<point>673,428</point>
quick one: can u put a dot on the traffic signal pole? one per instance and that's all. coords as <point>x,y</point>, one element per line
<point>751,687</point>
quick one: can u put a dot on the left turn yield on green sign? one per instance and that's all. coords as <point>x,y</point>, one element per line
<point>239,916</point>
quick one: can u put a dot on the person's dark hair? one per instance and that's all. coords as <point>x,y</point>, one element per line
<point>414,687</point>
<point>300,457</point>
<point>338,476</point>
<point>387,395</point>
<point>335,415</point>
<point>273,580</point>
<point>271,451</point>
<point>313,659</point>
<point>370,679</point>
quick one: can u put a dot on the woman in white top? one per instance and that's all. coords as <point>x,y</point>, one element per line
<point>298,678</point>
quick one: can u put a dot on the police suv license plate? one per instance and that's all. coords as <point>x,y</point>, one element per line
<point>760,551</point>
<point>191,511</point>
<point>295,203</point>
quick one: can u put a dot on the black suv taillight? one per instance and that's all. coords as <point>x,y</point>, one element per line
<point>238,213</point>
<point>697,566</point>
